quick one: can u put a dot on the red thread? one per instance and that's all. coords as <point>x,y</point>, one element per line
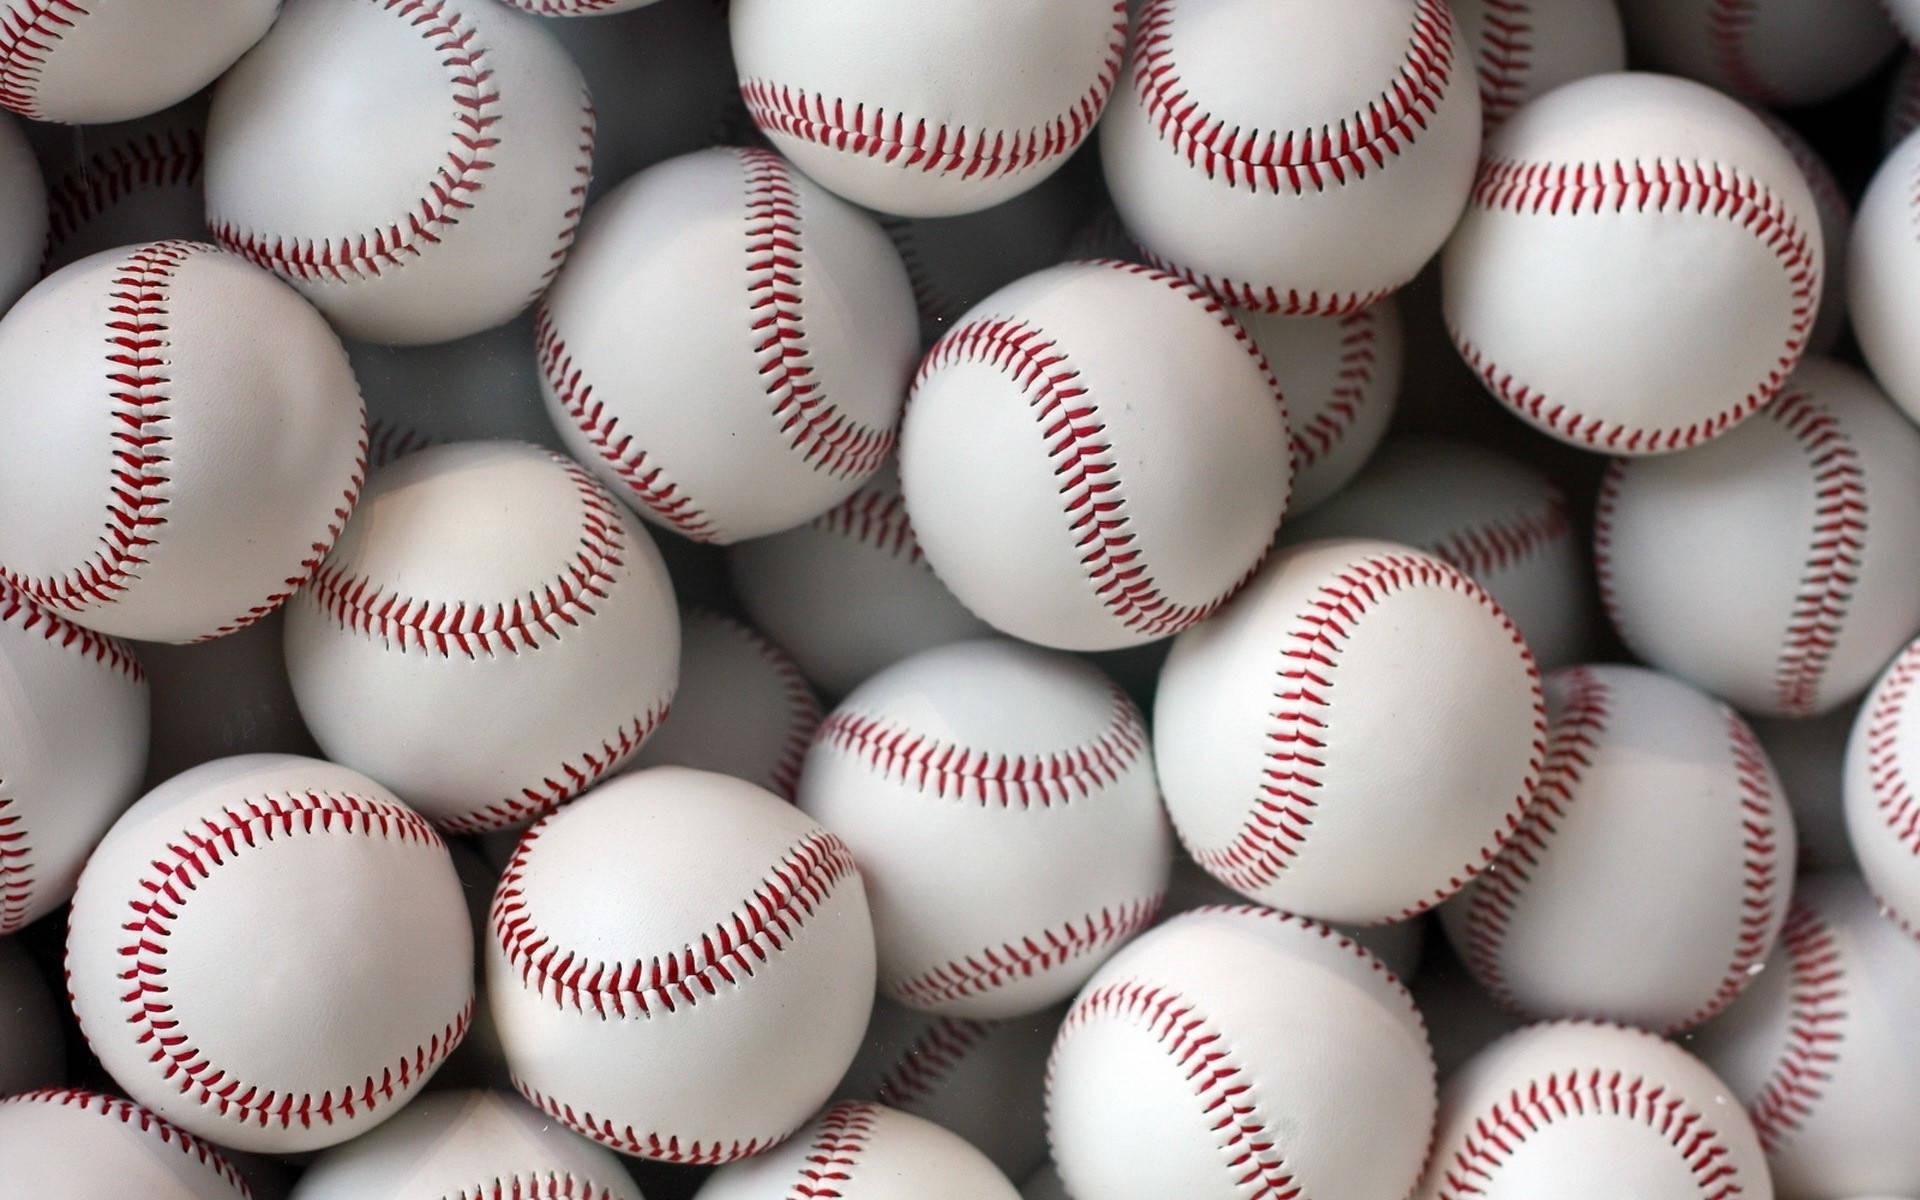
<point>1816,989</point>
<point>995,967</point>
<point>1280,818</point>
<point>388,441</point>
<point>28,31</point>
<point>928,1061</point>
<point>16,866</point>
<point>1598,189</point>
<point>874,516</point>
<point>544,1186</point>
<point>1886,773</point>
<point>1729,24</point>
<point>930,146</point>
<point>564,8</point>
<point>176,875</point>
<point>1359,333</point>
<point>627,1140</point>
<point>1835,558</point>
<point>1500,545</point>
<point>572,777</point>
<point>840,1138</point>
<point>171,158</point>
<point>803,711</point>
<point>1605,504</point>
<point>1505,54</point>
<point>577,194</point>
<point>116,1109</point>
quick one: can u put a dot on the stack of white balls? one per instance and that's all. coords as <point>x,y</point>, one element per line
<point>438,810</point>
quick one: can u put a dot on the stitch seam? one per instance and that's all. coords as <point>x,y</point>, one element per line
<point>625,1139</point>
<point>27,35</point>
<point>131,1114</point>
<point>830,1162</point>
<point>1729,22</point>
<point>1352,391</point>
<point>1505,58</point>
<point>1812,1051</point>
<point>1834,559</point>
<point>994,967</point>
<point>928,1061</point>
<point>1504,544</point>
<point>171,158</point>
<point>1886,772</point>
<point>875,517</point>
<point>544,1186</point>
<point>572,777</point>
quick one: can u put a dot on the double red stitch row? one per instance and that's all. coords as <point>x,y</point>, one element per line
<point>1886,773</point>
<point>931,1057</point>
<point>1836,556</point>
<point>650,1144</point>
<point>1499,545</point>
<point>27,31</point>
<point>570,778</point>
<point>1359,333</point>
<point>997,966</point>
<point>844,1133</point>
<point>1506,56</point>
<point>22,613</point>
<point>132,1114</point>
<point>1807,1061</point>
<point>169,158</point>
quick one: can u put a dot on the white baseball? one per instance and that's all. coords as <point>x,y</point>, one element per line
<point>927,110</point>
<point>1236,1052</point>
<point>86,1146</point>
<point>742,707</point>
<point>1795,622</point>
<point>220,698</point>
<point>1836,230</point>
<point>491,636</point>
<point>1820,1049</point>
<point>1526,48</point>
<point>186,431</point>
<point>1809,758</point>
<point>479,387</point>
<point>33,1046</point>
<point>24,207</point>
<point>1648,880</point>
<point>271,952</point>
<point>983,1080</point>
<point>1903,103</point>
<point>1501,521</point>
<point>1026,775</point>
<point>73,722</point>
<point>1580,1111</point>
<point>1883,275</point>
<point>111,60</point>
<point>469,1145</point>
<point>1781,53</point>
<point>1881,805</point>
<point>1137,444</point>
<point>726,275</point>
<point>1270,718</point>
<point>681,965</point>
<point>116,185</point>
<point>432,206</point>
<point>862,1151</point>
<point>1606,200</point>
<point>1294,157</point>
<point>850,592</point>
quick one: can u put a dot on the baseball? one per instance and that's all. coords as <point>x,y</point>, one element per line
<point>1836,230</point>
<point>1616,197</point>
<point>1235,1052</point>
<point>1781,53</point>
<point>1526,48</point>
<point>23,204</point>
<point>1648,879</point>
<point>1138,445</point>
<point>1293,157</point>
<point>1572,1109</point>
<point>927,110</point>
<point>1026,775</point>
<point>188,433</point>
<point>476,388</point>
<point>850,592</point>
<point>61,1142</point>
<point>237,963</point>
<point>1270,717</point>
<point>118,185</point>
<point>862,1151</point>
<point>1795,623</point>
<point>73,721</point>
<point>726,275</point>
<point>1819,1049</point>
<point>432,206</point>
<point>657,944</point>
<point>483,1145</point>
<point>491,636</point>
<point>742,707</point>
<point>1882,809</point>
<point>1883,267</point>
<point>112,60</point>
<point>33,1050</point>
<point>1499,520</point>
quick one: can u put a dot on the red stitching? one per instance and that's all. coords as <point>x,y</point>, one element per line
<point>388,441</point>
<point>176,876</point>
<point>16,866</point>
<point>803,711</point>
<point>131,1114</point>
<point>931,146</point>
<point>1505,56</point>
<point>583,172</point>
<point>572,777</point>
<point>1728,24</point>
<point>1834,561</point>
<point>839,1140</point>
<point>1281,815</point>
<point>544,1186</point>
<point>627,1140</point>
<point>171,158</point>
<point>1597,189</point>
<point>926,1062</point>
<point>1502,544</point>
<point>21,612</point>
<point>1605,502</point>
<point>1807,1061</point>
<point>28,31</point>
<point>1264,298</point>
<point>995,967</point>
<point>564,8</point>
<point>874,516</point>
<point>931,297</point>
<point>1225,1089</point>
<point>1886,773</point>
<point>1069,419</point>
<point>1538,1104</point>
<point>1359,333</point>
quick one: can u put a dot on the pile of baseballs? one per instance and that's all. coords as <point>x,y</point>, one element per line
<point>878,600</point>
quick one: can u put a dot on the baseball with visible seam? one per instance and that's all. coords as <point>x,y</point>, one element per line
<point>84,1145</point>
<point>1821,1049</point>
<point>1792,624</point>
<point>724,275</point>
<point>1836,231</point>
<point>492,635</point>
<point>33,1047</point>
<point>1026,775</point>
<point>577,8</point>
<point>467,1145</point>
<point>1269,720</point>
<point>983,1080</point>
<point>1138,446</point>
<point>1499,520</point>
<point>186,431</point>
<point>479,387</point>
<point>1526,48</point>
<point>1240,1052</point>
<point>927,110</point>
<point>1639,266</point>
<point>1586,1111</point>
<point>112,60</point>
<point>115,185</point>
<point>1649,878</point>
<point>208,990</point>
<point>1293,156</point>
<point>1881,803</point>
<point>660,945</point>
<point>73,723</point>
<point>742,708</point>
<point>850,592</point>
<point>1883,274</point>
<point>1780,53</point>
<point>24,205</point>
<point>430,207</point>
<point>859,1151</point>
